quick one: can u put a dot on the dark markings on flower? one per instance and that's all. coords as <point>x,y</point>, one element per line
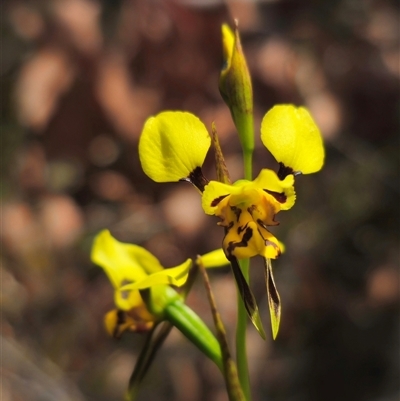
<point>266,241</point>
<point>237,212</point>
<point>217,200</point>
<point>284,171</point>
<point>270,243</point>
<point>228,227</point>
<point>279,196</point>
<point>247,296</point>
<point>272,292</point>
<point>197,178</point>
<point>121,319</point>
<point>248,233</point>
<point>244,289</point>
<point>263,225</point>
<point>251,209</point>
<point>242,228</point>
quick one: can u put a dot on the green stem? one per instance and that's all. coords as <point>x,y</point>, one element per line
<point>195,330</point>
<point>241,354</point>
<point>245,126</point>
<point>248,164</point>
<point>233,386</point>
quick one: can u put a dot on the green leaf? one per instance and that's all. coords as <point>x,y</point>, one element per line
<point>154,341</point>
<point>274,300</point>
<point>247,297</point>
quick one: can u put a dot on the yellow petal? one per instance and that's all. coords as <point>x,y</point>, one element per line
<point>215,258</point>
<point>111,323</point>
<point>176,276</point>
<point>127,300</point>
<point>172,145</point>
<point>245,241</point>
<point>282,190</point>
<point>122,262</point>
<point>246,196</point>
<point>228,42</point>
<point>214,192</point>
<point>293,138</point>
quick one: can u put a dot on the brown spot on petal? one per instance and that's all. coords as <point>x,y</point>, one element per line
<point>237,212</point>
<point>263,225</point>
<point>248,233</point>
<point>197,178</point>
<point>279,196</point>
<point>284,171</point>
<point>216,201</point>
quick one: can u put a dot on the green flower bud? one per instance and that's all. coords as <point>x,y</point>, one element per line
<point>235,87</point>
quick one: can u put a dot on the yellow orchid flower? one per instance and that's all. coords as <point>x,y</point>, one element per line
<point>144,298</point>
<point>131,268</point>
<point>246,208</point>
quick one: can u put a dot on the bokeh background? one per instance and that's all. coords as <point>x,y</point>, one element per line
<point>79,78</point>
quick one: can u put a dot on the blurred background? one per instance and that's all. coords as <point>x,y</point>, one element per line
<point>79,78</point>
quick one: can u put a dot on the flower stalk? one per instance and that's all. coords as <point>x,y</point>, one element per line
<point>233,385</point>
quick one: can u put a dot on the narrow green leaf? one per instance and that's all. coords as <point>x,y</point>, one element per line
<point>274,300</point>
<point>154,341</point>
<point>248,297</point>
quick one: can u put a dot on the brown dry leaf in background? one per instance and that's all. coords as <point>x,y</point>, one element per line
<point>80,18</point>
<point>42,80</point>
<point>276,64</point>
<point>61,220</point>
<point>126,105</point>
